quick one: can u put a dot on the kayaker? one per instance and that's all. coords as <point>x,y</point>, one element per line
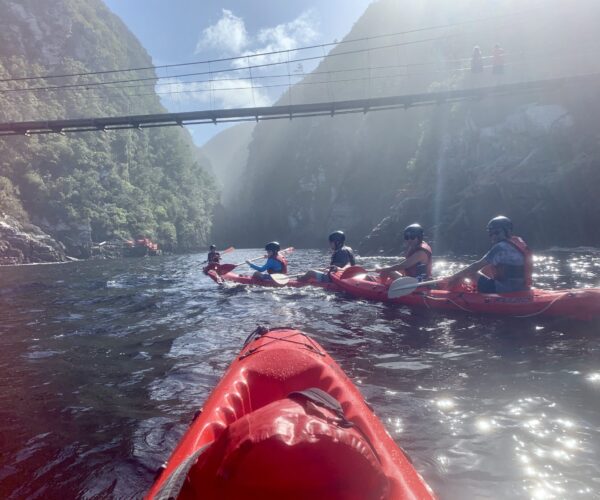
<point>417,258</point>
<point>275,263</point>
<point>214,257</point>
<point>506,267</point>
<point>342,256</point>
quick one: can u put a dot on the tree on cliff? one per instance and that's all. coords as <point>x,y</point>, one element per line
<point>105,185</point>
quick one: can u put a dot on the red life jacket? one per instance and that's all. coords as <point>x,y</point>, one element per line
<point>282,261</point>
<point>419,269</point>
<point>522,247</point>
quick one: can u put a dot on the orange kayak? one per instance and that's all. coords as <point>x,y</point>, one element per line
<point>582,303</point>
<point>250,280</point>
<point>285,422</point>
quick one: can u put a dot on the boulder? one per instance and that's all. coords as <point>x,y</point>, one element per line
<point>22,243</point>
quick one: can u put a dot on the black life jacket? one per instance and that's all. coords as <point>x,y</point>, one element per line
<point>342,257</point>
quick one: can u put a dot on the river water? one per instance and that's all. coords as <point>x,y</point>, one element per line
<point>104,363</point>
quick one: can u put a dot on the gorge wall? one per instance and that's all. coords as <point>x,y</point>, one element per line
<point>533,157</point>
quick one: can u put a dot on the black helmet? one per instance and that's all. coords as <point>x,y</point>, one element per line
<point>500,222</point>
<point>338,237</point>
<point>213,247</point>
<point>274,247</point>
<point>413,231</point>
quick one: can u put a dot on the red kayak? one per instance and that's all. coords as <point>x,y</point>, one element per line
<point>285,422</point>
<point>249,280</point>
<point>583,303</point>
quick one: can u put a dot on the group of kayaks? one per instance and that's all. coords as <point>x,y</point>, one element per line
<point>581,304</point>
<point>285,422</point>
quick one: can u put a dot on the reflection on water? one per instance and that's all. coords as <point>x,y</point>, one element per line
<point>103,364</point>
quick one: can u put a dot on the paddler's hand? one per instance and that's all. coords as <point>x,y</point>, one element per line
<point>334,269</point>
<point>454,281</point>
<point>385,272</point>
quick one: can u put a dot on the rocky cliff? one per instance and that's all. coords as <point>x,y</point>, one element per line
<point>22,243</point>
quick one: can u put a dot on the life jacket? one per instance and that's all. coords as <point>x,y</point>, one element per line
<point>214,257</point>
<point>419,269</point>
<point>282,261</point>
<point>505,271</point>
<point>342,257</point>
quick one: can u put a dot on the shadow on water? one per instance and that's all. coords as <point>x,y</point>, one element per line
<point>103,365</point>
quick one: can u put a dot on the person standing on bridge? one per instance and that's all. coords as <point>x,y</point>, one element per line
<point>497,60</point>
<point>476,60</point>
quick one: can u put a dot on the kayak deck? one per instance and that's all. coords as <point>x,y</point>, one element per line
<point>583,304</point>
<point>254,439</point>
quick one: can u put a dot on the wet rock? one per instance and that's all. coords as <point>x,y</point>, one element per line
<point>23,243</point>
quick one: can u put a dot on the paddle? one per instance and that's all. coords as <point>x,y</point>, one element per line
<point>283,279</point>
<point>227,250</point>
<point>407,285</point>
<point>227,268</point>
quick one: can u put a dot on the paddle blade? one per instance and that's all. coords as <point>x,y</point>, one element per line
<point>227,250</point>
<point>402,286</point>
<point>280,279</point>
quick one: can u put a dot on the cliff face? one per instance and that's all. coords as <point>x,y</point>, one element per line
<point>227,153</point>
<point>538,162</point>
<point>24,243</point>
<point>92,187</point>
<point>452,166</point>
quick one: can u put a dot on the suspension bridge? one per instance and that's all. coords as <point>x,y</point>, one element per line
<point>328,108</point>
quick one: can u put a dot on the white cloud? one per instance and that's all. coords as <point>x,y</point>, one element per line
<point>222,93</point>
<point>283,37</point>
<point>227,34</point>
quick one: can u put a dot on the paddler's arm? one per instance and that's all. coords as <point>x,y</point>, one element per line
<point>398,267</point>
<point>333,269</point>
<point>260,269</point>
<point>468,271</point>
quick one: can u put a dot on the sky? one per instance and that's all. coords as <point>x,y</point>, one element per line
<point>190,30</point>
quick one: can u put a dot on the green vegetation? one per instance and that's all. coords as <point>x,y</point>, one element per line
<point>114,184</point>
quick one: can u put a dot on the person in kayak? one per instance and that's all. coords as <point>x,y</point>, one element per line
<point>213,260</point>
<point>342,256</point>
<point>214,257</point>
<point>506,267</point>
<point>275,263</point>
<point>417,258</point>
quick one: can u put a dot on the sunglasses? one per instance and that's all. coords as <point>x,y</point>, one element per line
<point>495,232</point>
<point>411,237</point>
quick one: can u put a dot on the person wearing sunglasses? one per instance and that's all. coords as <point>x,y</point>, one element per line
<point>506,267</point>
<point>417,257</point>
